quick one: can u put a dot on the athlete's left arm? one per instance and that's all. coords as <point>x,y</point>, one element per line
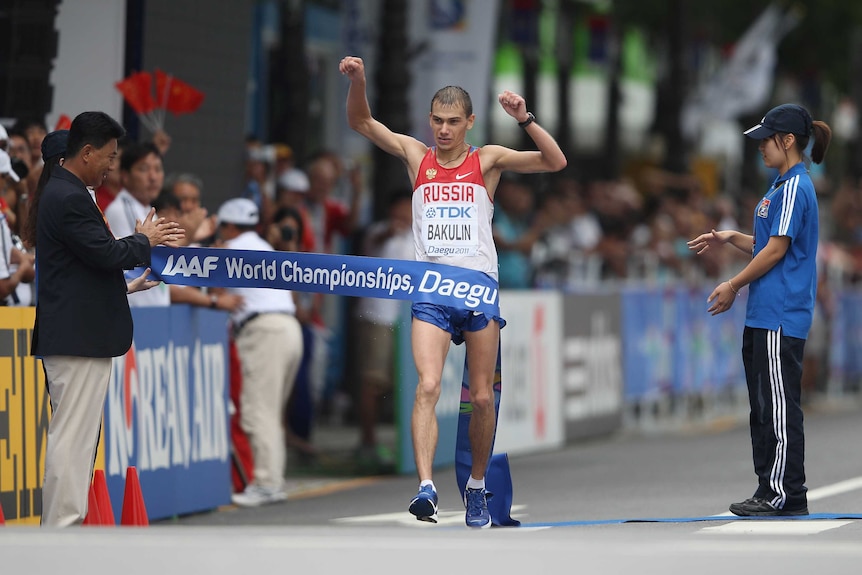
<point>549,158</point>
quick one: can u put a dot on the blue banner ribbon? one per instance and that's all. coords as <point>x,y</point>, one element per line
<point>328,273</point>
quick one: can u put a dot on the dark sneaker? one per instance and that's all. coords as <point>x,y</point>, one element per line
<point>424,505</point>
<point>759,507</point>
<point>477,508</point>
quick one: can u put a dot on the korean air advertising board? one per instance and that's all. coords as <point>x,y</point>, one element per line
<point>167,412</point>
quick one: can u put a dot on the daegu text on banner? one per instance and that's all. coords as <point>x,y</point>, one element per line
<point>328,273</point>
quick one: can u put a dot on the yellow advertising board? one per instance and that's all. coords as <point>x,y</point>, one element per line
<point>25,410</point>
<point>24,415</point>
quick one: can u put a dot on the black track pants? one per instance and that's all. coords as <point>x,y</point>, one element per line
<point>773,371</point>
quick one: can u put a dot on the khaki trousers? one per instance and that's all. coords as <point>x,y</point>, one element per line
<point>270,350</point>
<point>77,386</point>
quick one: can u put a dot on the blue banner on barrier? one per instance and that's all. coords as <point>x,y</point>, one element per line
<point>674,347</point>
<point>326,273</point>
<point>845,348</point>
<point>696,350</point>
<point>649,324</point>
<point>166,412</point>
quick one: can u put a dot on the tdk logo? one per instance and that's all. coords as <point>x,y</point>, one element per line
<point>190,267</point>
<point>430,213</point>
<point>455,212</point>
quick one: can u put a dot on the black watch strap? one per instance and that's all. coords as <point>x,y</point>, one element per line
<point>530,119</point>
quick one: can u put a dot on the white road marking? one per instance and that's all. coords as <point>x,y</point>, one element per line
<point>835,489</point>
<point>775,527</point>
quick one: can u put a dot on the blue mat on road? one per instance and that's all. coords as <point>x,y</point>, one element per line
<point>813,516</point>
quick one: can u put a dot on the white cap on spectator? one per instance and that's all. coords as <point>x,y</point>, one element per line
<point>238,211</point>
<point>4,135</point>
<point>294,180</point>
<point>6,166</point>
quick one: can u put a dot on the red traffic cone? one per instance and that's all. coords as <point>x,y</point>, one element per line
<point>103,499</point>
<point>134,510</point>
<point>94,517</point>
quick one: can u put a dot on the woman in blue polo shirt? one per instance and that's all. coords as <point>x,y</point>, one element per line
<point>782,280</point>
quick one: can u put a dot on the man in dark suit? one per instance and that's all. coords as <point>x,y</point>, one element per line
<point>82,314</point>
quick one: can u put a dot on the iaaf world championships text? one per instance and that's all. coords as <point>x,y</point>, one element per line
<point>397,285</point>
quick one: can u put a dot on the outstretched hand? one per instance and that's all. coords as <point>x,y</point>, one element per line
<point>514,105</point>
<point>141,283</point>
<point>353,67</point>
<point>703,242</point>
<point>160,232</point>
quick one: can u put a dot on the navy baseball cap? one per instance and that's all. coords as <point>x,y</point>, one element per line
<point>784,119</point>
<point>54,143</point>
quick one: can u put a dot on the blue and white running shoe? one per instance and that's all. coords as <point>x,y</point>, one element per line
<point>477,508</point>
<point>424,505</point>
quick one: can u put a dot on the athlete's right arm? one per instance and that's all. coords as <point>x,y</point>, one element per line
<point>360,119</point>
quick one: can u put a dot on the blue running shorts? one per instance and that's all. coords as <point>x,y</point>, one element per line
<point>453,320</point>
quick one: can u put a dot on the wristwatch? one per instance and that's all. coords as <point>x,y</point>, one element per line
<point>213,301</point>
<point>530,119</point>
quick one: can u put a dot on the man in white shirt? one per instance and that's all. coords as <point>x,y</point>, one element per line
<point>142,176</point>
<point>269,344</point>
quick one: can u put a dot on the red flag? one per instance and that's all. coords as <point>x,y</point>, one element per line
<point>137,90</point>
<point>176,96</point>
<point>64,122</point>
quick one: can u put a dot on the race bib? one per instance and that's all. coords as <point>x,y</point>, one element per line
<point>450,229</point>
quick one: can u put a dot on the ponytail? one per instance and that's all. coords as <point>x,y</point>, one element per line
<point>28,227</point>
<point>822,136</point>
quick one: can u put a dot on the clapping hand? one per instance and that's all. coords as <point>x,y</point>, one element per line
<point>159,231</point>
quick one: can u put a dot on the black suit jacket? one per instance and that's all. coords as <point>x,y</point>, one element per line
<point>81,305</point>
